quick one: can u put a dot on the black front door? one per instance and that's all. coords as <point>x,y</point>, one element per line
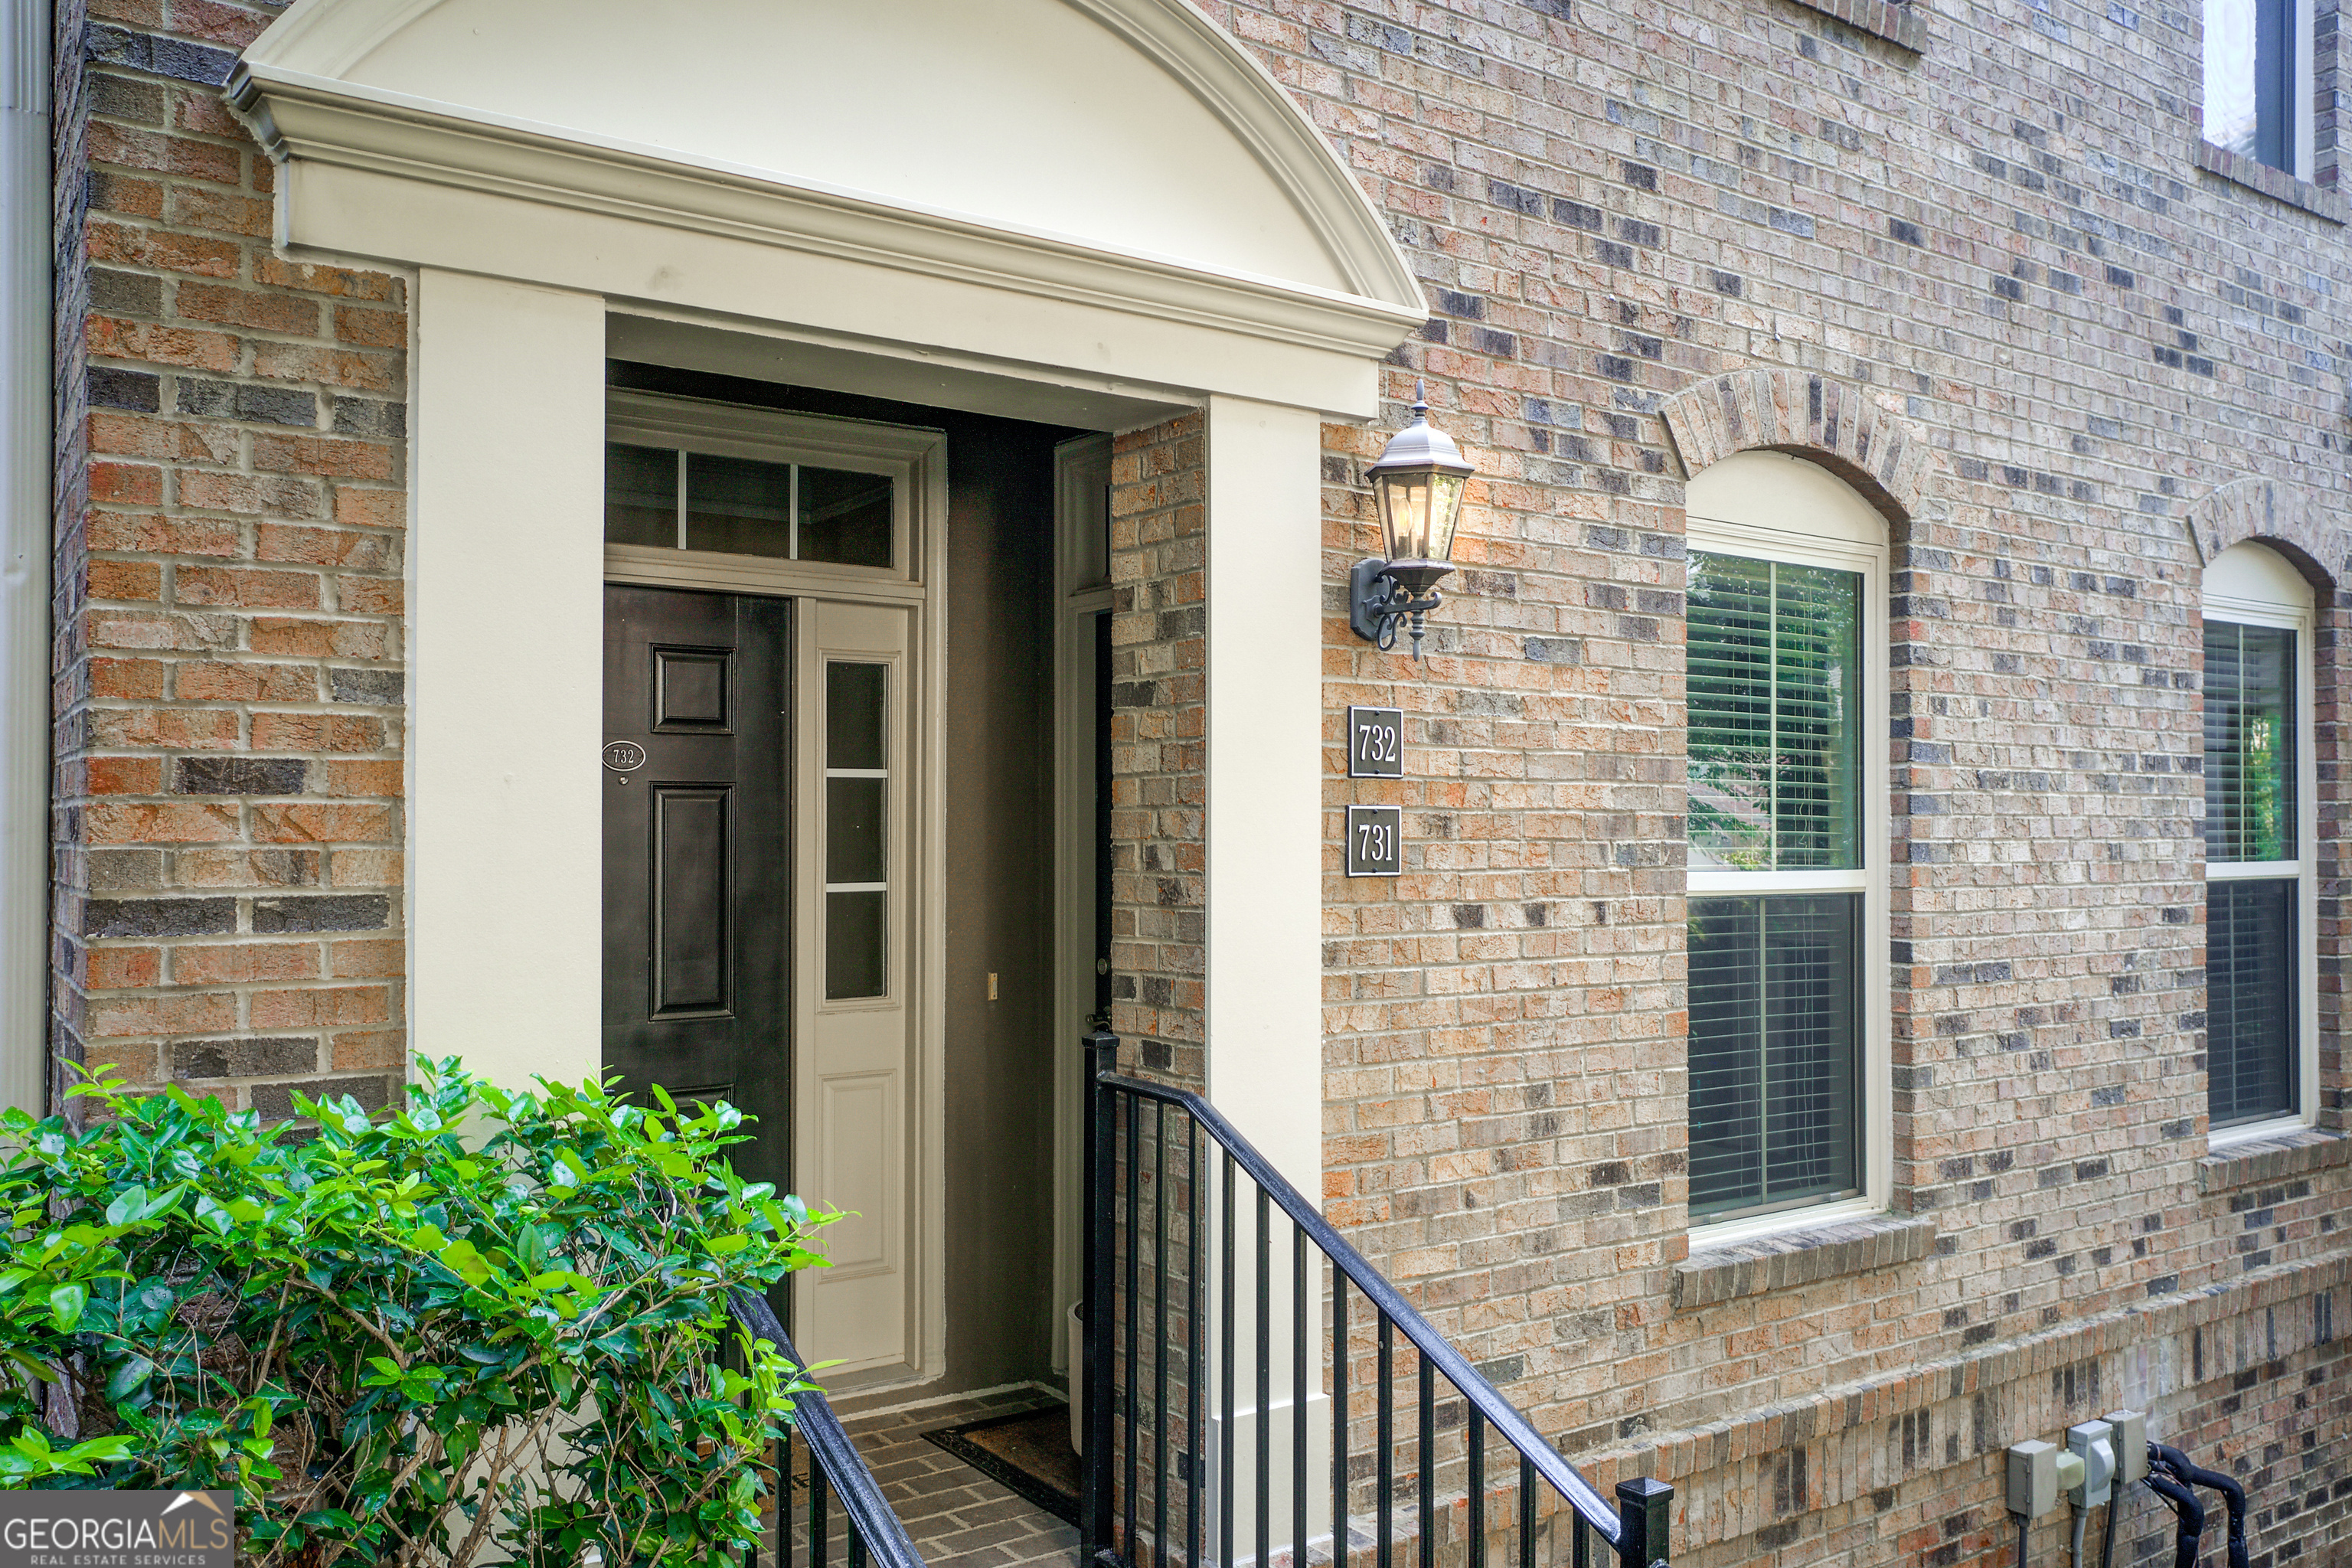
<point>698,886</point>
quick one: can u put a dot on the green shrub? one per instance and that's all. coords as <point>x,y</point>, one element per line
<point>491,1324</point>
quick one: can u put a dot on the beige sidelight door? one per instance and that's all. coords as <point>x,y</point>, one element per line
<point>854,1013</point>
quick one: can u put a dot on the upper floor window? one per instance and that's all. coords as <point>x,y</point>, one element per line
<point>1787,950</point>
<point>2261,992</point>
<point>2258,84</point>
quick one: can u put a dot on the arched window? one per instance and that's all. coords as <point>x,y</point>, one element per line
<point>1787,847</point>
<point>2261,1023</point>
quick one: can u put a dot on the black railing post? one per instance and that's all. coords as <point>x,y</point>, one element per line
<point>1644,1512</point>
<point>1099,1311</point>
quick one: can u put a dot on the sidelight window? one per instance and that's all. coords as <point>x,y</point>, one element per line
<point>679,500</point>
<point>856,847</point>
<point>2259,954</point>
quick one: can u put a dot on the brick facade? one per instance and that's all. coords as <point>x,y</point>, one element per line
<point>1986,284</point>
<point>1159,570</point>
<point>229,598</point>
<point>1985,280</point>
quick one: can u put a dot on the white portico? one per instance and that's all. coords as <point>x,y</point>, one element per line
<point>1094,214</point>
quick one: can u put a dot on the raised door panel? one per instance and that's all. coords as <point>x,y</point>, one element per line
<point>690,882</point>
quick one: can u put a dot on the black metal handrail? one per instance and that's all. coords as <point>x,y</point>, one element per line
<point>1118,1435</point>
<point>869,1526</point>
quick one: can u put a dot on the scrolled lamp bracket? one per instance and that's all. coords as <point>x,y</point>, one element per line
<point>1382,597</point>
<point>1417,484</point>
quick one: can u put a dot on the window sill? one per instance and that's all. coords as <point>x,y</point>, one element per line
<point>2273,1157</point>
<point>1750,1267</point>
<point>1899,22</point>
<point>2275,183</point>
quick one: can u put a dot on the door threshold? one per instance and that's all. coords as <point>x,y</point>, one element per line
<point>852,1406</point>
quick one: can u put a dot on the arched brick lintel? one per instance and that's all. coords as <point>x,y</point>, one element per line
<point>1834,423</point>
<point>2285,517</point>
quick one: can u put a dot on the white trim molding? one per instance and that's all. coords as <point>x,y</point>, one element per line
<point>389,176</point>
<point>27,461</point>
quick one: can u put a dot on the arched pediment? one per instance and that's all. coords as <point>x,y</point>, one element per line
<point>1132,133</point>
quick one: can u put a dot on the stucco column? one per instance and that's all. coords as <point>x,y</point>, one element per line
<point>506,576</point>
<point>1265,762</point>
<point>26,522</point>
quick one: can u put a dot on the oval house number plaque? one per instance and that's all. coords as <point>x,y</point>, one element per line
<point>624,756</point>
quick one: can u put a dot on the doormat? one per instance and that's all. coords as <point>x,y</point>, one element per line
<point>1029,1452</point>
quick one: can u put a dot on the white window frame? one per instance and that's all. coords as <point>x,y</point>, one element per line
<point>1789,510</point>
<point>2306,91</point>
<point>772,435</point>
<point>2242,599</point>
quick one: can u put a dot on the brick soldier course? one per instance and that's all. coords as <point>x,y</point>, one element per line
<point>1968,256</point>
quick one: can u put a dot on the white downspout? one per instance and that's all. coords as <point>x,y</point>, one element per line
<point>25,460</point>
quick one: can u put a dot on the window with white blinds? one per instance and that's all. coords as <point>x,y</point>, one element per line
<point>2249,1006</point>
<point>2259,996</point>
<point>1776,833</point>
<point>2250,742</point>
<point>2259,837</point>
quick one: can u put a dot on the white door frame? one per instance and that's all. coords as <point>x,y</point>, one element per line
<point>916,584</point>
<point>1081,593</point>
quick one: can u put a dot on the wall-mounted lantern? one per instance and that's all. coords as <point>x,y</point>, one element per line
<point>1418,484</point>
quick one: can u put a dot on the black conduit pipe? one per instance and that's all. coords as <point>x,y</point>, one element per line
<point>2234,1495</point>
<point>2185,1510</point>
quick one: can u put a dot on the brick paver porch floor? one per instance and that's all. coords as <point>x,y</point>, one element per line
<point>957,1517</point>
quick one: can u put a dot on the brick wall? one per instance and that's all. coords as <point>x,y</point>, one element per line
<point>2001,243</point>
<point>228,612</point>
<point>1159,732</point>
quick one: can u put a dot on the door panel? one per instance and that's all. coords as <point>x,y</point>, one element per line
<point>698,870</point>
<point>690,883</point>
<point>854,1012</point>
<point>860,1160</point>
<point>691,689</point>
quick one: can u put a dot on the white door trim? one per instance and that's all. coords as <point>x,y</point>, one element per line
<point>1081,593</point>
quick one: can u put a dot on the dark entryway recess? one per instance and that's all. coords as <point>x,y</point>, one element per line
<point>997,707</point>
<point>697,883</point>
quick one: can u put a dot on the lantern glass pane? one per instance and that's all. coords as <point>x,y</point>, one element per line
<point>1444,510</point>
<point>1418,508</point>
<point>1404,506</point>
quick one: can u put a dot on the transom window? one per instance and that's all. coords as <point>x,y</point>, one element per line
<point>1786,875</point>
<point>743,506</point>
<point>2261,992</point>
